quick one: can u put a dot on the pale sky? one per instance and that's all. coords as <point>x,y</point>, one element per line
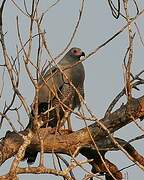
<point>104,70</point>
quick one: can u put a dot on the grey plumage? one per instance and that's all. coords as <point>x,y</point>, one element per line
<point>59,90</point>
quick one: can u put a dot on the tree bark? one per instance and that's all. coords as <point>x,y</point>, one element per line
<point>67,143</point>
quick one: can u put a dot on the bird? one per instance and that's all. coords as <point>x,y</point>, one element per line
<point>60,90</point>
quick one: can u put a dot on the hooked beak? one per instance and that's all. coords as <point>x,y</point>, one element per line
<point>82,54</point>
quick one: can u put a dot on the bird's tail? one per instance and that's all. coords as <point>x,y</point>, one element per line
<point>30,154</point>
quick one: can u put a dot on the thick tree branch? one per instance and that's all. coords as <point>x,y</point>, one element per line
<point>69,143</point>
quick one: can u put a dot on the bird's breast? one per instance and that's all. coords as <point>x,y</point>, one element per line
<point>78,75</point>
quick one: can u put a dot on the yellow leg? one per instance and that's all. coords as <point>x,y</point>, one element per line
<point>67,117</point>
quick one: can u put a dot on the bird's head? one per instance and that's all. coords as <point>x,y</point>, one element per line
<point>72,56</point>
<point>76,52</point>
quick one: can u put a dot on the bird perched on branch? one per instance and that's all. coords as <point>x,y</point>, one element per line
<point>60,91</point>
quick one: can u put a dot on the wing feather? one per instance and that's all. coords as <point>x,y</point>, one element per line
<point>50,84</point>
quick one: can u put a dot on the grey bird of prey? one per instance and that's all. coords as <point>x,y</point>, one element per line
<point>60,92</point>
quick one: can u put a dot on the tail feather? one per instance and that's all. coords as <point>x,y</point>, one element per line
<point>31,156</point>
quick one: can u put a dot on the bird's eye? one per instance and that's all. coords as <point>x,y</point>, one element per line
<point>74,51</point>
